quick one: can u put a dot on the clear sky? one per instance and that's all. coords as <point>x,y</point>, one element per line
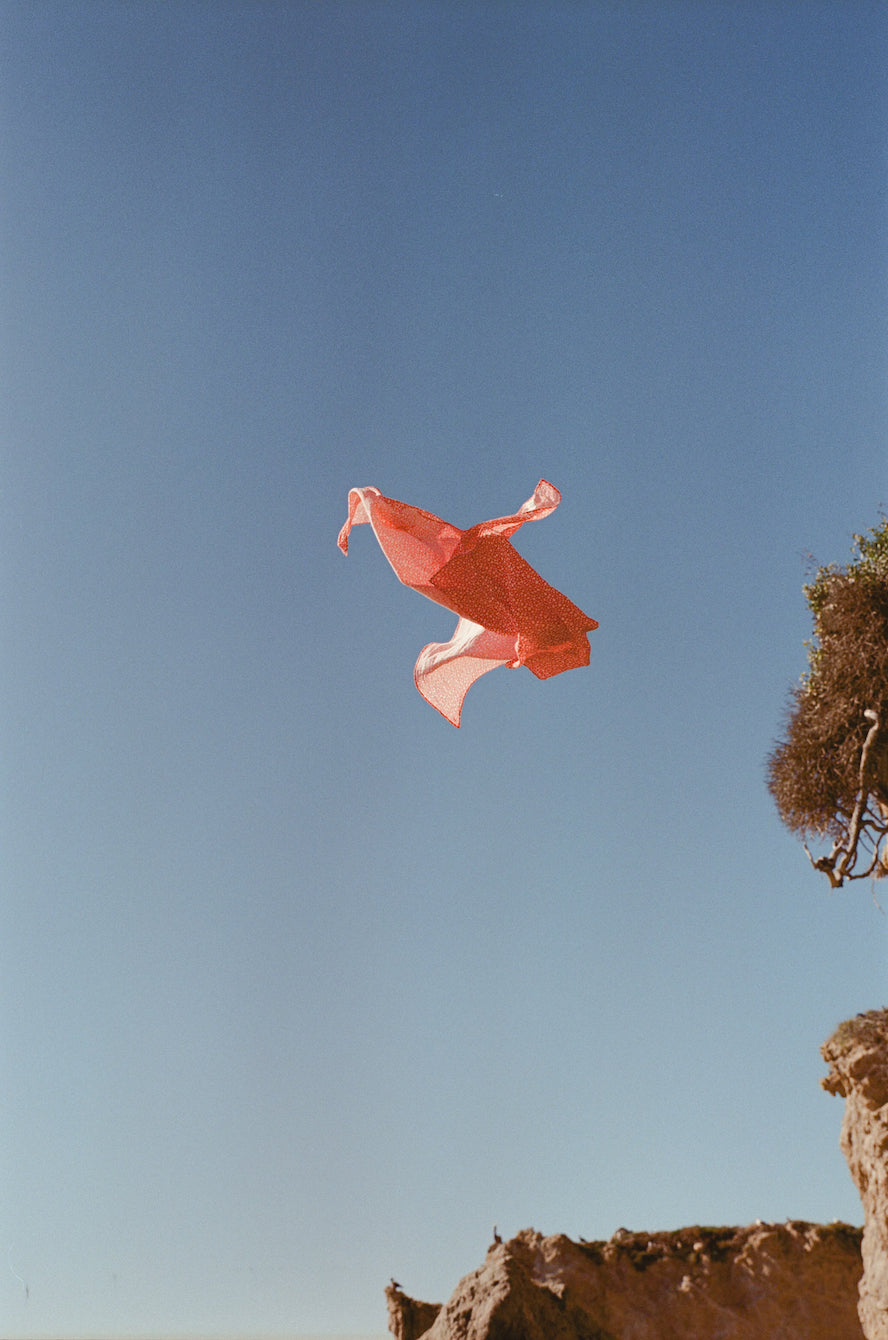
<point>302,988</point>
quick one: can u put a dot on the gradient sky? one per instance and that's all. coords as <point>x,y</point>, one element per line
<point>302,988</point>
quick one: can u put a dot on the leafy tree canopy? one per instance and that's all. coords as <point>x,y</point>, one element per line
<point>829,776</point>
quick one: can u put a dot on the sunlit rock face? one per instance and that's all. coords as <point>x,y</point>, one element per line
<point>791,1281</point>
<point>857,1055</point>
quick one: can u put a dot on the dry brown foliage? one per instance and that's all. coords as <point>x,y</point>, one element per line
<point>829,776</point>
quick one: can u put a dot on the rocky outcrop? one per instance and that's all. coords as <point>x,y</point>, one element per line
<point>857,1055</point>
<point>792,1281</point>
<point>408,1317</point>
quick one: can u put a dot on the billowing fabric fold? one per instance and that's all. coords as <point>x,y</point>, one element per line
<point>507,614</point>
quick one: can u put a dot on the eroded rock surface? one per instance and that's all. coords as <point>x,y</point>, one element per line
<point>857,1055</point>
<point>408,1317</point>
<point>792,1281</point>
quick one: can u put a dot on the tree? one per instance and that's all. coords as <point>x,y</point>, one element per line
<point>829,776</point>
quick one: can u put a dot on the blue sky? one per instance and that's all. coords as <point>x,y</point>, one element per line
<point>302,988</point>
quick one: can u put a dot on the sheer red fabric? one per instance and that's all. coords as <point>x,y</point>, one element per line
<point>507,614</point>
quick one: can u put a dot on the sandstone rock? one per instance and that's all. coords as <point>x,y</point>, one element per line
<point>792,1281</point>
<point>408,1318</point>
<point>857,1055</point>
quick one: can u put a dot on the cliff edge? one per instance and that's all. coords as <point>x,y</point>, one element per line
<point>792,1281</point>
<point>857,1055</point>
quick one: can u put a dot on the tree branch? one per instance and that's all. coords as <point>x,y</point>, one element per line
<point>847,847</point>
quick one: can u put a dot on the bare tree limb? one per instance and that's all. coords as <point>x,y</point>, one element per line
<point>859,826</point>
